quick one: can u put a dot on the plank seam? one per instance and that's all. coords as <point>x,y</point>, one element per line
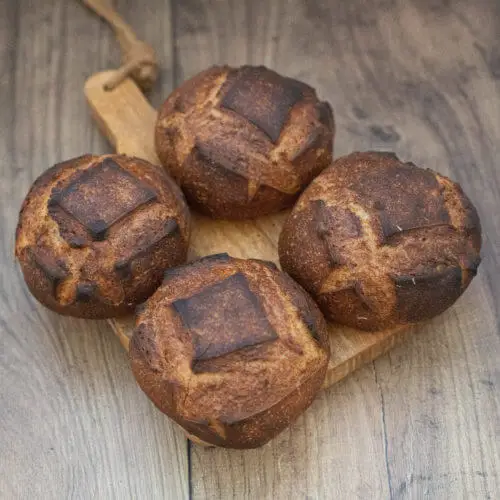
<point>384,431</point>
<point>175,52</point>
<point>190,469</point>
<point>474,411</point>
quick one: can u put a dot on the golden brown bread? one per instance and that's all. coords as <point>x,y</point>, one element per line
<point>96,233</point>
<point>233,350</point>
<point>379,242</point>
<point>243,142</point>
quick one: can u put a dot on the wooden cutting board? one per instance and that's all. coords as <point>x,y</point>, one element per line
<point>127,120</point>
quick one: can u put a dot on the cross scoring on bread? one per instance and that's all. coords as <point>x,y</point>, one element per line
<point>264,99</point>
<point>85,205</point>
<point>349,231</point>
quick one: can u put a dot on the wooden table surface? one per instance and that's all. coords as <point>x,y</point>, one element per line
<point>420,77</point>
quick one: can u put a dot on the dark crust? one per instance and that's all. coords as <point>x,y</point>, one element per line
<point>317,260</point>
<point>54,271</point>
<point>325,114</point>
<point>425,229</point>
<point>249,433</point>
<point>223,178</point>
<point>345,306</point>
<point>202,175</point>
<point>208,153</point>
<point>308,309</point>
<point>96,181</point>
<point>349,306</point>
<point>45,179</point>
<point>85,292</point>
<point>422,297</point>
<point>314,141</point>
<point>215,313</point>
<point>45,290</point>
<point>76,241</point>
<point>168,229</point>
<point>306,161</point>
<point>413,200</point>
<point>471,264</point>
<point>147,353</point>
<point>123,269</point>
<point>472,222</point>
<point>333,223</point>
<point>95,287</point>
<point>262,97</point>
<point>242,435</point>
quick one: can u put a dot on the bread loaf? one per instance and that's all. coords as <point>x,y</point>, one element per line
<point>96,233</point>
<point>243,142</point>
<point>233,350</point>
<point>379,242</point>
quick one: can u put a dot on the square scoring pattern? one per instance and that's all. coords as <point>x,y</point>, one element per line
<point>263,97</point>
<point>224,318</point>
<point>102,195</point>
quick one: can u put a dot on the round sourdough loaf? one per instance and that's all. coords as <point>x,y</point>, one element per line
<point>233,350</point>
<point>96,233</point>
<point>381,243</point>
<point>244,142</point>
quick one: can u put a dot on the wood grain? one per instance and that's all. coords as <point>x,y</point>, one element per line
<point>72,422</point>
<point>421,77</point>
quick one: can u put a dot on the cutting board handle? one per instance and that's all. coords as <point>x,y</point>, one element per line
<point>124,115</point>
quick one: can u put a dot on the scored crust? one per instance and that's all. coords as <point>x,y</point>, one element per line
<point>233,350</point>
<point>379,242</point>
<point>96,233</point>
<point>243,142</point>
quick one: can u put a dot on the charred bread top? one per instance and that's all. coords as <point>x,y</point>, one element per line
<point>244,142</point>
<point>96,233</point>
<point>379,242</point>
<point>233,350</point>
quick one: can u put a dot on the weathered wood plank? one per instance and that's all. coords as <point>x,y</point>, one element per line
<point>443,429</point>
<point>419,78</point>
<point>73,423</point>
